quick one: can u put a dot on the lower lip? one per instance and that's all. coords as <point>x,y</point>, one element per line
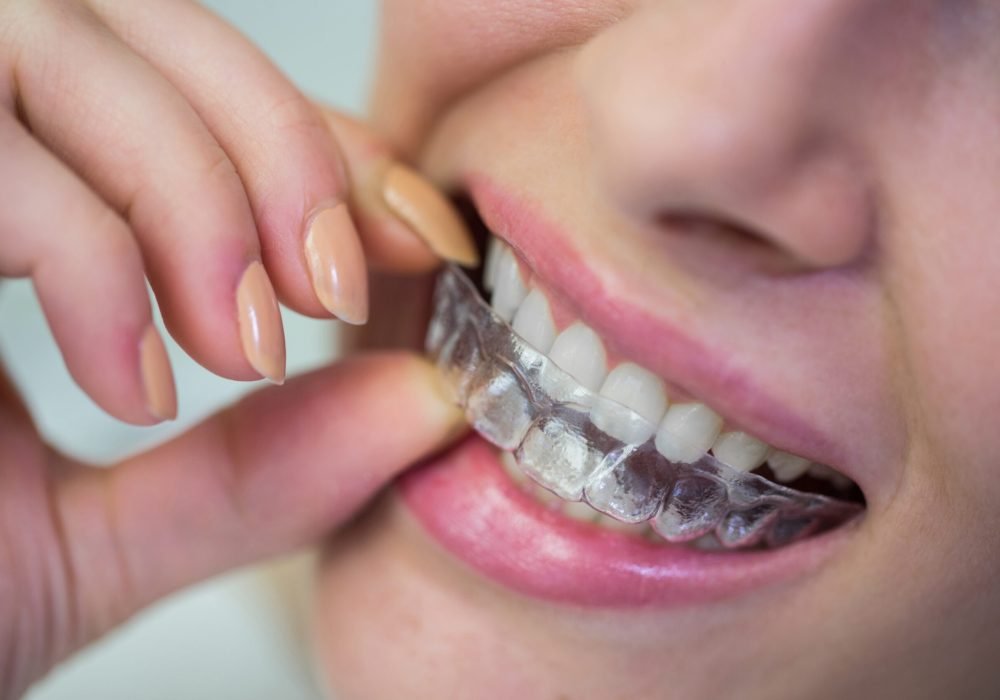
<point>468,504</point>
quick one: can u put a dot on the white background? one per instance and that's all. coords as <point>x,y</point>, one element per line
<point>238,636</point>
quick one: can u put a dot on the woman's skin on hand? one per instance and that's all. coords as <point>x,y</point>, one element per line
<point>83,548</point>
<point>227,195</point>
<point>130,154</point>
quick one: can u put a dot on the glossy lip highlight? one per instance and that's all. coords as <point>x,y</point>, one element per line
<point>650,341</point>
<point>466,502</point>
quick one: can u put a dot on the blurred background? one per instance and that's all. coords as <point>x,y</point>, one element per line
<point>241,635</point>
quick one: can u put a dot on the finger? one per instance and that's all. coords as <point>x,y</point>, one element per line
<point>278,142</point>
<point>88,274</point>
<point>133,138</point>
<point>274,472</point>
<point>14,416</point>
<point>407,225</point>
<point>283,149</point>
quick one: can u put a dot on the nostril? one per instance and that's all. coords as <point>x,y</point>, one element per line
<point>709,243</point>
<point>821,214</point>
<point>705,223</point>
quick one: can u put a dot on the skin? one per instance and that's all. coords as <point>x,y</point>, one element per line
<point>825,170</point>
<point>761,166</point>
<point>94,203</point>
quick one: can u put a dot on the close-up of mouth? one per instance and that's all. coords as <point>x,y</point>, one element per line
<point>612,484</point>
<point>582,349</point>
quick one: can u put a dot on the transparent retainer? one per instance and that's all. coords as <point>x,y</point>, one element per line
<point>520,401</point>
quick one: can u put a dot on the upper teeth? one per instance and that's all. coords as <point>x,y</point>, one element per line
<point>533,321</point>
<point>636,388</point>
<point>580,353</point>
<point>509,290</point>
<point>684,432</point>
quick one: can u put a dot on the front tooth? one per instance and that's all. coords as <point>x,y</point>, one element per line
<point>786,466</point>
<point>533,322</point>
<point>493,254</point>
<point>638,389</point>
<point>687,431</point>
<point>580,353</point>
<point>740,450</point>
<point>509,290</point>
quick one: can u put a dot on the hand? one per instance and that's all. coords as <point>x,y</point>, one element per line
<point>81,549</point>
<point>152,141</point>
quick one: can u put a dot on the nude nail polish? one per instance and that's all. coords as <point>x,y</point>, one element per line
<point>157,378</point>
<point>261,331</point>
<point>416,202</point>
<point>337,266</point>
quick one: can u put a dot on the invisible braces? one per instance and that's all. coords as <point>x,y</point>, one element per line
<point>519,400</point>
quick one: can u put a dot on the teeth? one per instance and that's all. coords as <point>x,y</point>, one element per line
<point>609,523</point>
<point>547,497</point>
<point>533,322</point>
<point>515,472</point>
<point>786,466</point>
<point>821,471</point>
<point>684,432</point>
<point>509,290</point>
<point>740,450</point>
<point>579,510</point>
<point>492,260</point>
<point>708,543</point>
<point>580,353</point>
<point>687,432</point>
<point>638,389</point>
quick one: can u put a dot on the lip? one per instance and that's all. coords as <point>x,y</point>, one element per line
<point>654,342</point>
<point>468,504</point>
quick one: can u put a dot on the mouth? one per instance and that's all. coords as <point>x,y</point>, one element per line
<point>659,495</point>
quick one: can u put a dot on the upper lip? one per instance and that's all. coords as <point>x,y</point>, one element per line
<point>654,342</point>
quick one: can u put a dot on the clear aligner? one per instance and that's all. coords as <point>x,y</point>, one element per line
<point>520,401</point>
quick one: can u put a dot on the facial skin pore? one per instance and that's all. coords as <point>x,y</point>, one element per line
<point>811,188</point>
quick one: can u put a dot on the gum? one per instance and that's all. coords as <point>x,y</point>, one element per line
<point>520,401</point>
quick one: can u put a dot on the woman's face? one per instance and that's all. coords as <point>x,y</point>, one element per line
<point>787,211</point>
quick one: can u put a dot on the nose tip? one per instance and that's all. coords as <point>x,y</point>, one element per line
<point>721,112</point>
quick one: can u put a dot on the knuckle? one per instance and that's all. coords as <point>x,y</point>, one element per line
<point>216,167</point>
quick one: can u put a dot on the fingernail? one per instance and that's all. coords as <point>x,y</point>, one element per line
<point>261,331</point>
<point>415,201</point>
<point>157,378</point>
<point>337,265</point>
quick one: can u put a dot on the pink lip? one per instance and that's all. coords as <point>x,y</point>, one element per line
<point>653,341</point>
<point>467,503</point>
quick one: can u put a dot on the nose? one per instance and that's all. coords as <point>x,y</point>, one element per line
<point>738,113</point>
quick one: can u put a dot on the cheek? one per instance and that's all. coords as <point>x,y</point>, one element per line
<point>943,284</point>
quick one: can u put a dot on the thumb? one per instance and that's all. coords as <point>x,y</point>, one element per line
<point>275,471</point>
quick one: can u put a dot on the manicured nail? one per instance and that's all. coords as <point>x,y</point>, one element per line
<point>157,378</point>
<point>261,331</point>
<point>415,201</point>
<point>337,265</point>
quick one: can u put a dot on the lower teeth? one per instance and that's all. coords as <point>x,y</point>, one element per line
<point>580,511</point>
<point>517,399</point>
